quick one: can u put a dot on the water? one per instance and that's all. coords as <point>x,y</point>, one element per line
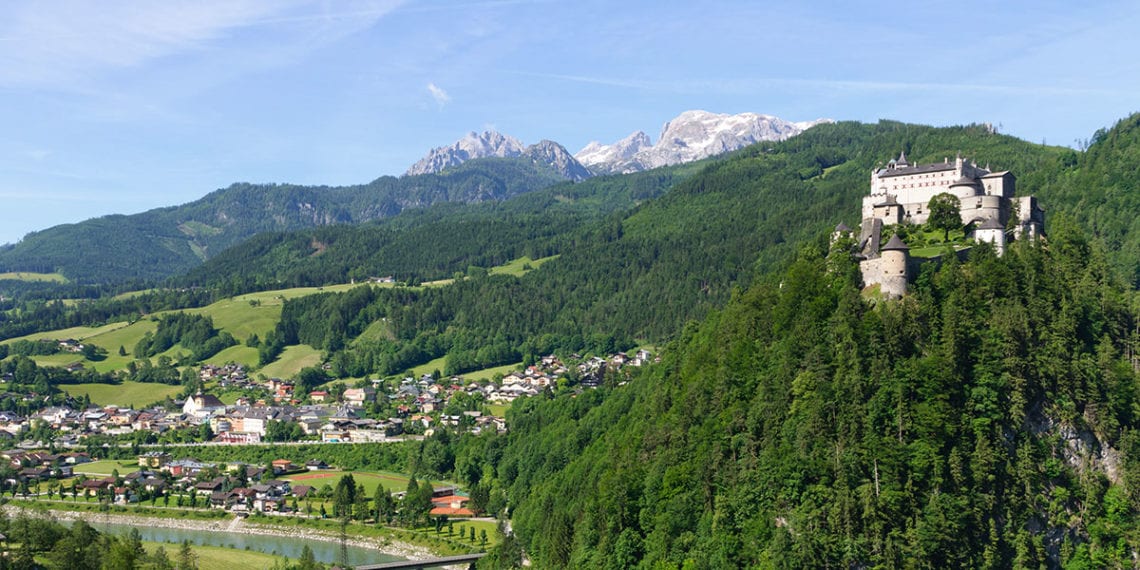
<point>287,546</point>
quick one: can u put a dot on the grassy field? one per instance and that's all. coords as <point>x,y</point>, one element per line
<point>106,467</point>
<point>488,373</point>
<point>292,361</point>
<point>518,267</point>
<point>239,354</point>
<point>499,410</point>
<point>429,367</point>
<point>219,557</point>
<point>29,276</point>
<point>78,333</point>
<point>378,330</point>
<point>134,394</point>
<point>318,479</point>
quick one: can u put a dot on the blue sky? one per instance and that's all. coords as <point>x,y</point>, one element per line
<point>118,107</point>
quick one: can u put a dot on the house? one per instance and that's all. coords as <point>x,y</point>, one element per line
<point>202,405</point>
<point>450,504</point>
<point>282,466</point>
<point>92,487</point>
<point>335,436</point>
<point>186,467</point>
<point>318,395</point>
<point>316,465</point>
<point>154,459</point>
<point>222,499</point>
<point>358,396</point>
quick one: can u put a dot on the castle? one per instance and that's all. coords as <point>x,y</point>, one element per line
<point>901,193</point>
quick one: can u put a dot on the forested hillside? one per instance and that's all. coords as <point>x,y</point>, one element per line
<point>167,241</point>
<point>986,420</point>
<point>433,242</point>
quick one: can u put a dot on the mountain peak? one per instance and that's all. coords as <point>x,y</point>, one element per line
<point>472,145</point>
<point>550,153</point>
<point>691,135</point>
<point>494,144</point>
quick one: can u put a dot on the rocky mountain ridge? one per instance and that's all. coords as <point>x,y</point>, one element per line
<point>690,136</point>
<point>492,144</point>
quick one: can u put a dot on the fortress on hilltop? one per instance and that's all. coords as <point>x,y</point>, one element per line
<point>901,193</point>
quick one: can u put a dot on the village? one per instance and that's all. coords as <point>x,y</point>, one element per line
<point>270,411</point>
<point>235,487</point>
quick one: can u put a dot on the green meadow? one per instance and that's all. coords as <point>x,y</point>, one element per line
<point>30,276</point>
<point>134,394</point>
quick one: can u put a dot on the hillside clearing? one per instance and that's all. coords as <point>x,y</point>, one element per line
<point>131,394</point>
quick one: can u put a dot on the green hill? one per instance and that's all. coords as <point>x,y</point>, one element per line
<point>987,420</point>
<point>167,241</point>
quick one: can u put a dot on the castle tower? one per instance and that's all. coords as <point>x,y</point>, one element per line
<point>991,231</point>
<point>841,231</point>
<point>893,265</point>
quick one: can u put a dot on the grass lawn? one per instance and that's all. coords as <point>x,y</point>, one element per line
<point>499,410</point>
<point>490,527</point>
<point>291,361</point>
<point>330,477</point>
<point>219,557</point>
<point>933,251</point>
<point>487,373</point>
<point>105,467</point>
<point>30,276</point>
<point>135,394</point>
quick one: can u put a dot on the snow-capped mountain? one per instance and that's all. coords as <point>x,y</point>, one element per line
<point>490,143</point>
<point>622,151</point>
<point>690,136</point>
<point>493,144</point>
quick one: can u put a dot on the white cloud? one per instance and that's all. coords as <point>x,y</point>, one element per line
<point>441,97</point>
<point>62,44</point>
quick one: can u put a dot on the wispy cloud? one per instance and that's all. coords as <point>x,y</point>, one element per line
<point>737,86</point>
<point>59,44</point>
<point>441,97</point>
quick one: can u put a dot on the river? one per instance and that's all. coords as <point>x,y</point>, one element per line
<point>287,546</point>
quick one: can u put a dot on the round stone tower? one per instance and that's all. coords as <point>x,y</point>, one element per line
<point>893,262</point>
<point>993,232</point>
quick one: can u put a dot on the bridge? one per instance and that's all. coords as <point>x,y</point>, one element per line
<point>429,563</point>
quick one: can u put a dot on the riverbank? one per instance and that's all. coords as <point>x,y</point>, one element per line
<point>234,525</point>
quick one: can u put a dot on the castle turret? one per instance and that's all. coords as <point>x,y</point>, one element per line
<point>841,231</point>
<point>893,265</point>
<point>991,231</point>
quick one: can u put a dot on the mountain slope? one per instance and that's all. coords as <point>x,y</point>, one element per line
<point>166,241</point>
